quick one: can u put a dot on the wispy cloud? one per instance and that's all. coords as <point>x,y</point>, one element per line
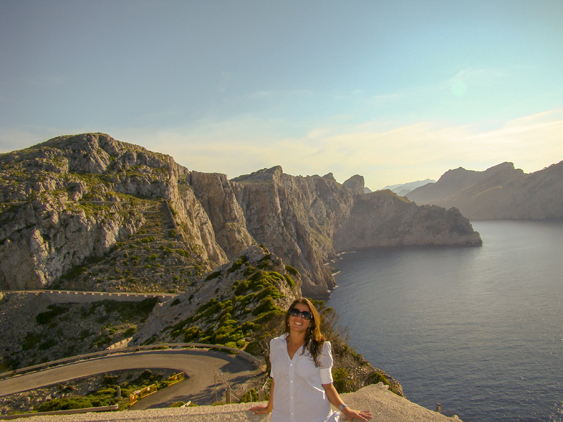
<point>384,155</point>
<point>468,76</point>
<point>397,155</point>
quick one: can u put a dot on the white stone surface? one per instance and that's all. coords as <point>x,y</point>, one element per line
<point>384,405</point>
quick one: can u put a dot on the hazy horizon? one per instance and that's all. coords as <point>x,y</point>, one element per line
<point>395,91</point>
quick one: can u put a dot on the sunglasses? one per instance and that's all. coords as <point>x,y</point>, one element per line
<point>303,314</point>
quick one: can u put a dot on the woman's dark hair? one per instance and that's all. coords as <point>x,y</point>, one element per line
<point>314,339</point>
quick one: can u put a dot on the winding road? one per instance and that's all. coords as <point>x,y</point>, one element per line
<point>199,365</point>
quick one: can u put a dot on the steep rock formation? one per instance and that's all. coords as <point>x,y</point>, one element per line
<point>384,219</point>
<point>233,304</point>
<point>296,218</point>
<point>500,192</point>
<point>451,182</point>
<point>215,193</point>
<point>355,184</point>
<point>73,197</point>
<point>42,240</point>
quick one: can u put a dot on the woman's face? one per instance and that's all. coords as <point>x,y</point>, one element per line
<point>298,323</point>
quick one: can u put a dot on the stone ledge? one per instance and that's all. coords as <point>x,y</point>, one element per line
<point>384,405</point>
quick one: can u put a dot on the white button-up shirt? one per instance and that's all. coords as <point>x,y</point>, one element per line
<point>298,393</point>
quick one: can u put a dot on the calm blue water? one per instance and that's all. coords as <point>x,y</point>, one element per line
<point>479,330</point>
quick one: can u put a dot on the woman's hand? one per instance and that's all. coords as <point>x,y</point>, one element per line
<point>260,410</point>
<point>351,414</point>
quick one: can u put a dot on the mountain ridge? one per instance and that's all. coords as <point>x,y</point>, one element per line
<point>96,189</point>
<point>402,189</point>
<point>500,192</point>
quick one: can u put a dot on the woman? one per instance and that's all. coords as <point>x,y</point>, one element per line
<point>302,388</point>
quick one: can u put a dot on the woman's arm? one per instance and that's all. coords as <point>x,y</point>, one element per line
<point>258,410</point>
<point>336,401</point>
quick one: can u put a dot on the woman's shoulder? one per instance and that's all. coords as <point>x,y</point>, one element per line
<point>281,340</point>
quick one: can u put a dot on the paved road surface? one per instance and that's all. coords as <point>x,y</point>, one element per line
<point>199,365</point>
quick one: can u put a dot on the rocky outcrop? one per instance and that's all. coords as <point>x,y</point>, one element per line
<point>355,184</point>
<point>296,218</point>
<point>36,327</point>
<point>75,198</point>
<point>216,195</point>
<point>383,218</point>
<point>42,240</point>
<point>498,193</point>
<point>233,304</point>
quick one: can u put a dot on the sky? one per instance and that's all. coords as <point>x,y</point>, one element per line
<point>394,90</point>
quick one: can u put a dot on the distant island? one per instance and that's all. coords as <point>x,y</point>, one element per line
<point>404,188</point>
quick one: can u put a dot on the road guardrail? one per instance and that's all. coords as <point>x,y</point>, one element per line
<point>45,365</point>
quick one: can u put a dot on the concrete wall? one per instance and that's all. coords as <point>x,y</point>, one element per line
<point>66,296</point>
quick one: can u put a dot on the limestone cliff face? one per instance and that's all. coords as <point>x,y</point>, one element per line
<point>73,197</point>
<point>501,192</point>
<point>296,218</point>
<point>355,184</point>
<point>42,240</point>
<point>384,219</point>
<point>216,195</point>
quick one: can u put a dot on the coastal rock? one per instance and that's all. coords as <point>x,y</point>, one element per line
<point>195,226</point>
<point>209,306</point>
<point>216,195</point>
<point>355,184</point>
<point>41,241</point>
<point>500,192</point>
<point>383,218</point>
<point>296,218</point>
<point>73,199</point>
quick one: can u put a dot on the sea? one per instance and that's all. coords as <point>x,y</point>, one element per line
<point>477,329</point>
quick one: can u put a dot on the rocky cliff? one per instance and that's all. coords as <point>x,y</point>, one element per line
<point>498,193</point>
<point>383,218</point>
<point>242,304</point>
<point>234,304</point>
<point>296,217</point>
<point>87,211</point>
<point>75,197</point>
